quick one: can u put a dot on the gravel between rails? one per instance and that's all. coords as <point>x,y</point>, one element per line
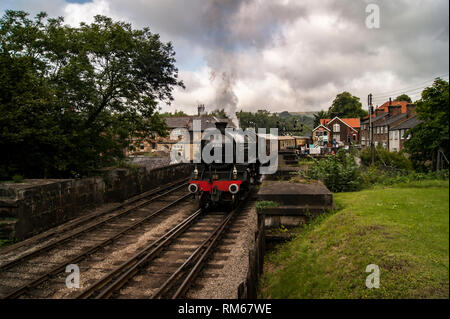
<point>223,282</point>
<point>103,261</point>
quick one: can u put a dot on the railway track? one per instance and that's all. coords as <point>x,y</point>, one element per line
<point>88,237</point>
<point>167,267</point>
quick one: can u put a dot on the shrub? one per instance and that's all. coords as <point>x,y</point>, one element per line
<point>373,175</point>
<point>387,159</point>
<point>17,178</point>
<point>266,204</point>
<point>339,172</point>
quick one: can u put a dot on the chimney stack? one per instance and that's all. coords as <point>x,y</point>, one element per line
<point>410,110</point>
<point>394,110</point>
<point>379,112</point>
<point>201,109</point>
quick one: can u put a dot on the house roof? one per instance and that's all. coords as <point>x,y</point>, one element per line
<point>352,122</point>
<point>285,138</point>
<point>385,106</point>
<point>178,121</point>
<point>321,125</point>
<point>206,121</point>
<point>409,123</point>
<point>391,119</point>
<point>376,118</point>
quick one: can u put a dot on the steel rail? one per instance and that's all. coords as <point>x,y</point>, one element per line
<point>127,269</point>
<point>70,225</point>
<point>61,267</point>
<point>208,243</point>
<point>200,263</point>
<point>83,230</point>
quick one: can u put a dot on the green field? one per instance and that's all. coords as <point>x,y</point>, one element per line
<point>404,229</point>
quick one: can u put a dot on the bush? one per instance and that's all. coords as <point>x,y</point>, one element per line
<point>373,175</point>
<point>387,159</point>
<point>339,172</point>
<point>17,178</point>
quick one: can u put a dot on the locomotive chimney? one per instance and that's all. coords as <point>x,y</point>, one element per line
<point>221,126</point>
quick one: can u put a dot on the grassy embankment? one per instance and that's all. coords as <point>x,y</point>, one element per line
<point>404,229</point>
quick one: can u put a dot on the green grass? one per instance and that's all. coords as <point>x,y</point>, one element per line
<point>404,229</point>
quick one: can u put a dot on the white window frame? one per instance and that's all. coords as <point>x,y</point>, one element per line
<point>336,128</point>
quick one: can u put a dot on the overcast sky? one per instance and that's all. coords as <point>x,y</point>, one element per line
<point>279,54</point>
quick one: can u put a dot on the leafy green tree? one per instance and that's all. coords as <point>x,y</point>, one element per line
<point>403,97</point>
<point>286,122</point>
<point>220,113</point>
<point>71,98</point>
<point>318,116</point>
<point>432,134</point>
<point>174,114</point>
<point>346,105</point>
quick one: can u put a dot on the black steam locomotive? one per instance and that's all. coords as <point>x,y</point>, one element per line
<point>225,179</point>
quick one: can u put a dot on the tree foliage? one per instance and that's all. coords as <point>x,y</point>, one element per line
<point>403,97</point>
<point>346,105</point>
<point>318,116</point>
<point>432,134</point>
<point>72,98</point>
<point>286,122</point>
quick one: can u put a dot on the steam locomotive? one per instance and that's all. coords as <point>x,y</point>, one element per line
<point>223,181</point>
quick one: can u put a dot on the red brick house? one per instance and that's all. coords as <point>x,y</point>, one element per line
<point>341,131</point>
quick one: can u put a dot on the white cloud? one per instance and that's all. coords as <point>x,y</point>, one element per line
<point>284,55</point>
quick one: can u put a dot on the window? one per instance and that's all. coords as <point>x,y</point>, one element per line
<point>391,135</point>
<point>385,129</point>
<point>354,137</point>
<point>402,133</point>
<point>337,137</point>
<point>336,128</point>
<point>396,135</point>
<point>142,146</point>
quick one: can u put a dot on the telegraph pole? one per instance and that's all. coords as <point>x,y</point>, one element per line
<point>372,150</point>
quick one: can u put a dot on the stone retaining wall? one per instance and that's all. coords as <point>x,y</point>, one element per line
<point>248,289</point>
<point>36,205</point>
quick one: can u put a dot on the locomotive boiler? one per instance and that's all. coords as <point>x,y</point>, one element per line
<point>230,170</point>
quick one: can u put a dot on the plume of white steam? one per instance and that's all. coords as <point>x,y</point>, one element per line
<point>220,59</point>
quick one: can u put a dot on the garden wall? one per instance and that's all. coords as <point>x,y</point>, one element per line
<point>34,206</point>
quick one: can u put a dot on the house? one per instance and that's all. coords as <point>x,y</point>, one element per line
<point>377,117</point>
<point>337,131</point>
<point>321,135</point>
<point>177,128</point>
<point>385,117</point>
<point>397,133</point>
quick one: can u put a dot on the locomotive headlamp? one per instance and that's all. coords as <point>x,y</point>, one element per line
<point>234,172</point>
<point>233,188</point>
<point>193,188</point>
<point>195,172</point>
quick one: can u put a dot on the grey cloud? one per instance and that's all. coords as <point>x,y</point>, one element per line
<point>234,37</point>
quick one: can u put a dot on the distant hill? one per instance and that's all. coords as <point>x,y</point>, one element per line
<point>309,113</point>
